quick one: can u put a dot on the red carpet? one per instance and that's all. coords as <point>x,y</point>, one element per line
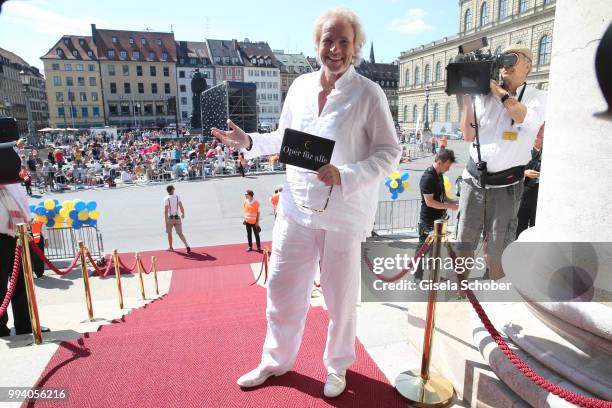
<point>188,348</point>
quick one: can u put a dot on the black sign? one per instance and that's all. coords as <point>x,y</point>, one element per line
<point>304,150</point>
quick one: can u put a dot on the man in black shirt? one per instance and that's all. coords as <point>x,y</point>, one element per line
<point>433,197</point>
<point>529,199</point>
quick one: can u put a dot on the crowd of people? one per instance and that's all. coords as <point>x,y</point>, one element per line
<point>88,160</point>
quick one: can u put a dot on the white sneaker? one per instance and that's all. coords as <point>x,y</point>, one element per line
<point>335,385</point>
<point>255,377</point>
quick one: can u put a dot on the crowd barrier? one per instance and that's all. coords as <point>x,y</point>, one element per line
<point>62,243</point>
<point>401,217</point>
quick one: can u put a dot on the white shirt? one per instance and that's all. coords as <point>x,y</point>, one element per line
<point>172,201</point>
<point>357,116</point>
<point>494,119</point>
<point>17,191</point>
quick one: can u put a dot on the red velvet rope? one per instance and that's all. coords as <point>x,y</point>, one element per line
<point>125,267</point>
<point>537,379</point>
<point>145,269</point>
<point>419,254</point>
<point>12,282</point>
<point>99,271</point>
<point>54,268</point>
<point>264,267</point>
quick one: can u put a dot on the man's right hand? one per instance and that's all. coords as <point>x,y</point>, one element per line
<point>235,137</point>
<point>453,206</point>
<point>532,174</point>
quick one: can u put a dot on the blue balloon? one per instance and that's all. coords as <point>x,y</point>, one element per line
<point>93,223</point>
<point>77,225</point>
<point>405,176</point>
<point>74,214</point>
<point>80,206</point>
<point>40,211</point>
<point>32,207</point>
<point>92,205</point>
<point>400,189</point>
<point>50,223</point>
<point>56,201</point>
<point>387,181</point>
<point>394,195</point>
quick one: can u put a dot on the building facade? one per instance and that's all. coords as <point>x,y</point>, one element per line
<point>387,76</point>
<point>73,84</point>
<point>291,66</point>
<point>15,99</point>
<point>226,59</point>
<point>138,77</point>
<point>191,56</point>
<point>503,22</point>
<point>262,68</point>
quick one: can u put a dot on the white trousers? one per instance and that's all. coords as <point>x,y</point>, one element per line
<point>297,254</point>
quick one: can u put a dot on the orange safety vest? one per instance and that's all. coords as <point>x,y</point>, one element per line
<point>36,229</point>
<point>443,141</point>
<point>274,201</point>
<point>250,211</point>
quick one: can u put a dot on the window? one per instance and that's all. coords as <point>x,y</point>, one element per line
<point>183,88</point>
<point>164,56</point>
<point>193,61</point>
<point>127,88</point>
<point>417,76</point>
<point>217,60</point>
<point>70,96</point>
<point>95,112</point>
<point>75,53</point>
<point>544,50</point>
<point>67,67</point>
<point>181,74</point>
<point>415,113</point>
<point>523,5</point>
<point>113,88</point>
<point>183,101</point>
<point>115,40</point>
<point>467,20</point>
<point>167,88</point>
<point>92,67</point>
<point>184,115</point>
<point>153,88</point>
<point>123,55</point>
<point>79,67</point>
<point>59,52</point>
<point>151,55</point>
<point>112,109</point>
<point>407,78</point>
<point>73,112</point>
<point>57,81</point>
<point>92,81</point>
<point>498,50</point>
<point>69,81</point>
<point>126,70</point>
<point>125,109</point>
<point>131,40</point>
<point>138,70</point>
<point>143,41</point>
<point>427,74</point>
<point>140,88</point>
<point>136,55</point>
<point>159,109</point>
<point>484,14</point>
<point>90,53</point>
<point>436,113</point>
<point>111,54</point>
<point>159,41</point>
<point>111,70</point>
<point>438,73</point>
<point>152,71</point>
<point>59,97</point>
<point>166,71</point>
<point>81,81</point>
<point>405,113</point>
<point>55,67</point>
<point>425,113</point>
<point>94,96</point>
<point>228,72</point>
<point>84,112</point>
<point>61,112</point>
<point>447,112</point>
<point>148,108</point>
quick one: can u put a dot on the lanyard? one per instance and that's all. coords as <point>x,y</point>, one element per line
<point>519,99</point>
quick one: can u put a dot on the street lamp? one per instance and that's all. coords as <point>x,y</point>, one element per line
<point>427,92</point>
<point>25,81</point>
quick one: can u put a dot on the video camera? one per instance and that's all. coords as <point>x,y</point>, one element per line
<point>10,163</point>
<point>471,71</point>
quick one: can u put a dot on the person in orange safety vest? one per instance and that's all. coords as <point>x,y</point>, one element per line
<point>274,199</point>
<point>250,208</point>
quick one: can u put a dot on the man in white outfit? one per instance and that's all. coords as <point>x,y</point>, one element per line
<point>323,217</point>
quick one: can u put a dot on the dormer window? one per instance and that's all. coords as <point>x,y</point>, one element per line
<point>236,60</point>
<point>143,41</point>
<point>151,55</point>
<point>164,56</point>
<point>254,61</point>
<point>136,55</point>
<point>226,60</point>
<point>66,41</point>
<point>111,53</point>
<point>115,40</point>
<point>81,41</point>
<point>75,53</point>
<point>159,41</point>
<point>90,54</point>
<point>193,61</point>
<point>261,61</point>
<point>123,55</point>
<point>131,40</point>
<point>59,52</point>
<point>217,60</point>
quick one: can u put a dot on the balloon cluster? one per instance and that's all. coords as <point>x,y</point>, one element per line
<point>397,183</point>
<point>448,189</point>
<point>70,213</point>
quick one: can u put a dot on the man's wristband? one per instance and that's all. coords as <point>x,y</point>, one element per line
<point>250,144</point>
<point>504,98</point>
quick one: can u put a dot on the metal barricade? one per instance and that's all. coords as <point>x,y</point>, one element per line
<point>401,217</point>
<point>63,243</point>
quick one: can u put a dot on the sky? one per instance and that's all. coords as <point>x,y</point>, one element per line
<point>29,28</point>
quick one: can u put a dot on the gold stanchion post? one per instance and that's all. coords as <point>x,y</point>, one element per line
<point>420,387</point>
<point>26,265</point>
<point>118,276</point>
<point>142,289</point>
<point>86,281</point>
<point>153,259</point>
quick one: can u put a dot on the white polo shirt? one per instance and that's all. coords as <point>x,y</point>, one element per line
<point>494,119</point>
<point>357,116</point>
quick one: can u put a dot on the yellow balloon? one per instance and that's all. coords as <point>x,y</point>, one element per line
<point>59,220</point>
<point>68,205</point>
<point>395,175</point>
<point>94,214</point>
<point>64,212</point>
<point>406,185</point>
<point>69,222</point>
<point>49,204</point>
<point>39,217</point>
<point>447,187</point>
<point>394,184</point>
<point>83,215</point>
<point>43,219</point>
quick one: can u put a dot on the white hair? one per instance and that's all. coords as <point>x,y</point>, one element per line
<point>341,13</point>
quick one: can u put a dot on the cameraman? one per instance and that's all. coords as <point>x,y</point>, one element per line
<point>508,121</point>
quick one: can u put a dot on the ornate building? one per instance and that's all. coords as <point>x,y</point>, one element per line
<point>503,22</point>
